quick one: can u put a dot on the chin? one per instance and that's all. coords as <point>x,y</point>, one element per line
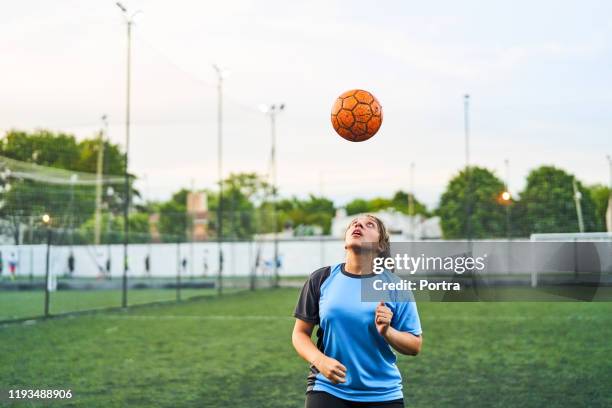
<point>358,245</point>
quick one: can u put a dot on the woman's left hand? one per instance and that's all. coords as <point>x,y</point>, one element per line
<point>383,318</point>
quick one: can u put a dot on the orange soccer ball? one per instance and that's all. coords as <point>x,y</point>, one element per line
<point>356,115</point>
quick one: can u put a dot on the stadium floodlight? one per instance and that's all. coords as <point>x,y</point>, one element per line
<point>221,74</point>
<point>272,111</point>
<point>468,193</point>
<point>129,21</point>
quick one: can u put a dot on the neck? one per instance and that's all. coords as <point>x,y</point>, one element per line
<point>359,263</point>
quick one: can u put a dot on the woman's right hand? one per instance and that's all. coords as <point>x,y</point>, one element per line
<point>331,368</point>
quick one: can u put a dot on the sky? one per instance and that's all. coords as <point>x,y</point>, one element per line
<point>538,74</point>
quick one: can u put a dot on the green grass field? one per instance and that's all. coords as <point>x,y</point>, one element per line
<point>26,304</point>
<point>236,351</point>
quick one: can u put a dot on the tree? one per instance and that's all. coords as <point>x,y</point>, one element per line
<point>42,147</point>
<point>399,202</point>
<point>246,206</point>
<point>313,211</point>
<point>69,205</point>
<point>113,231</point>
<point>487,214</point>
<point>379,203</point>
<point>357,206</point>
<point>600,195</point>
<point>549,206</point>
<point>242,193</point>
<point>173,220</point>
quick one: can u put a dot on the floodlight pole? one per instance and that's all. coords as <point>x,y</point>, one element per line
<point>272,111</point>
<point>577,198</point>
<point>411,202</point>
<point>46,221</point>
<point>219,72</point>
<point>609,210</point>
<point>129,20</point>
<point>507,163</point>
<point>468,198</point>
<point>99,171</point>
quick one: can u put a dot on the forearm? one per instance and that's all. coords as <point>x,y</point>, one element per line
<point>305,347</point>
<point>403,342</point>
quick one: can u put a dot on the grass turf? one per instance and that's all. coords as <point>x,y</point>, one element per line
<point>236,351</point>
<point>25,304</point>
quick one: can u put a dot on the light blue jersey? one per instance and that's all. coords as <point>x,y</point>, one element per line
<point>331,298</point>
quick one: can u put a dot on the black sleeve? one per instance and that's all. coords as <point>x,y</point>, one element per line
<point>307,307</point>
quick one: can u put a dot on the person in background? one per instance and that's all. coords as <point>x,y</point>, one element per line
<point>12,265</point>
<point>71,264</point>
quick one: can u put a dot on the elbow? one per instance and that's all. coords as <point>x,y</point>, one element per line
<point>412,351</point>
<point>416,347</point>
<point>301,333</point>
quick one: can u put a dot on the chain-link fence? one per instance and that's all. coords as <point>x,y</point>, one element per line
<point>62,272</point>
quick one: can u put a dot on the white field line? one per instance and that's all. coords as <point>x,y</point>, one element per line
<point>189,317</point>
<point>423,318</point>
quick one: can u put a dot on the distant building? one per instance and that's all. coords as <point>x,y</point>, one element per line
<point>154,227</point>
<point>398,224</point>
<point>197,210</point>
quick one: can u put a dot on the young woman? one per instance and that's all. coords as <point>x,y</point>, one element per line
<point>353,363</point>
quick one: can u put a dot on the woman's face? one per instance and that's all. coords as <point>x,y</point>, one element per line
<point>362,233</point>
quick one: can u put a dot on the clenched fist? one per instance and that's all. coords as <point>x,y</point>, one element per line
<point>331,368</point>
<point>383,318</point>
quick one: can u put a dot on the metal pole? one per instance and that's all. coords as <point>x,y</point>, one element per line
<point>253,266</point>
<point>468,198</point>
<point>178,271</point>
<point>411,202</point>
<point>220,176</point>
<point>99,169</point>
<point>274,194</point>
<point>126,206</point>
<point>47,271</point>
<point>31,249</point>
<point>577,198</point>
<point>507,189</point>
<point>609,210</point>
<point>191,232</point>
